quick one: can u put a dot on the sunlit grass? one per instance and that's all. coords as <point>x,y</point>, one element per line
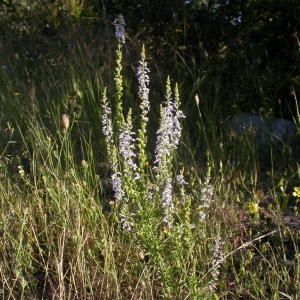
<point>192,215</point>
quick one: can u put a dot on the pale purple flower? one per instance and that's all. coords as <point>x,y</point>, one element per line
<point>164,136</point>
<point>144,81</point>
<point>206,196</point>
<point>180,179</point>
<point>117,185</point>
<point>167,202</point>
<point>106,122</point>
<point>181,182</point>
<point>176,127</point>
<point>168,134</point>
<point>126,225</point>
<point>126,148</point>
<point>202,216</point>
<point>217,259</point>
<point>120,28</point>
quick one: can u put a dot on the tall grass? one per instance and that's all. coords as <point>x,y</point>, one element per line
<point>124,204</point>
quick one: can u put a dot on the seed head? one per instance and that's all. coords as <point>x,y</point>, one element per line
<point>65,122</point>
<point>197,99</point>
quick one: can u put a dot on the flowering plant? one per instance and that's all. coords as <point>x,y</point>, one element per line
<point>150,210</point>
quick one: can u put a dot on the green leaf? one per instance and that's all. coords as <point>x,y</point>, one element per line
<point>283,202</point>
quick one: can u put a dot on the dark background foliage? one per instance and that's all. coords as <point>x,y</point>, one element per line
<point>251,46</point>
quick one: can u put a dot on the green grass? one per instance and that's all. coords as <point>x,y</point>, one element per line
<point>62,230</point>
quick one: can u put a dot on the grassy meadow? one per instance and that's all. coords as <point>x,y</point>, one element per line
<point>144,194</point>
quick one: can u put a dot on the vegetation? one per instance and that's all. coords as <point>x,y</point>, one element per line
<point>119,179</point>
